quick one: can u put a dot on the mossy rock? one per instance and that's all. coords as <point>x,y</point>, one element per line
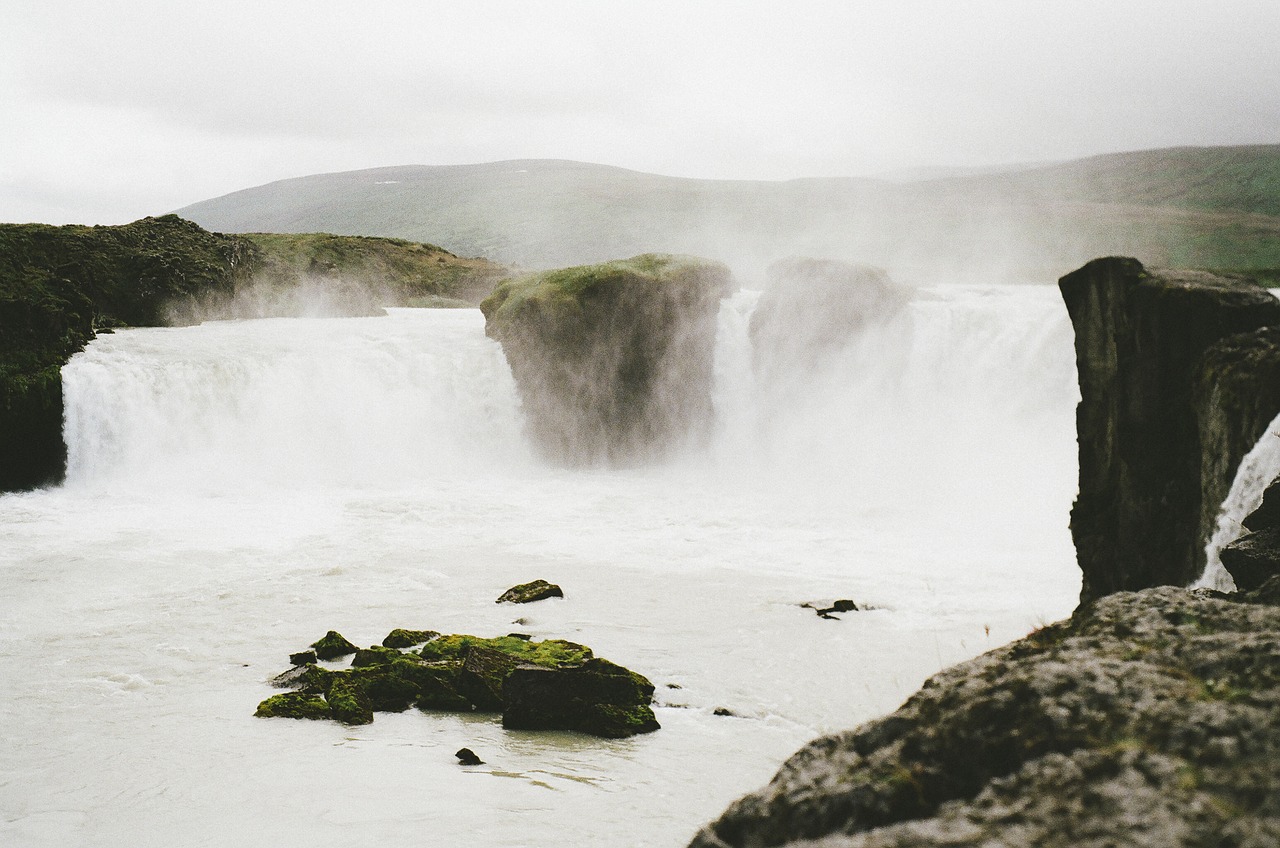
<point>483,671</point>
<point>375,655</point>
<point>333,645</point>
<point>464,673</point>
<point>613,361</point>
<point>293,705</point>
<point>400,638</point>
<point>598,697</point>
<point>527,593</point>
<point>348,702</point>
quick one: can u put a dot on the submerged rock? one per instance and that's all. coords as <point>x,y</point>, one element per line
<point>1175,387</point>
<point>1148,718</point>
<point>527,593</point>
<point>467,757</point>
<point>613,361</point>
<point>303,658</point>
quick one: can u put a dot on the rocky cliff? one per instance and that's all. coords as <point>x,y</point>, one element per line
<point>613,361</point>
<point>1169,366</point>
<point>58,286</point>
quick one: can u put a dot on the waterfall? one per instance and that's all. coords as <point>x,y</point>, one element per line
<point>374,401</point>
<point>236,489</point>
<point>1257,471</point>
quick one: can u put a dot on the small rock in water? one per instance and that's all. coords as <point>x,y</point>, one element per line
<point>527,593</point>
<point>824,611</point>
<point>523,636</point>
<point>467,757</point>
<point>724,711</point>
<point>332,646</point>
<point>400,638</point>
<point>302,658</point>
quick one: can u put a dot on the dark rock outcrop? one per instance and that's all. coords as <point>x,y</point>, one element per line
<point>527,593</point>
<point>811,306</point>
<point>613,361</point>
<point>58,286</point>
<point>1254,558</point>
<point>597,697</point>
<point>460,672</point>
<point>1148,718</point>
<point>1169,366</point>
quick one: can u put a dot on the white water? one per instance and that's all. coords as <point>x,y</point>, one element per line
<point>1258,469</point>
<point>237,489</point>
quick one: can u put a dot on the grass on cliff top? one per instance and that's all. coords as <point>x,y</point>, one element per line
<point>567,285</point>
<point>413,269</point>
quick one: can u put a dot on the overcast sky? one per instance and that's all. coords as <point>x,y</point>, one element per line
<point>112,111</point>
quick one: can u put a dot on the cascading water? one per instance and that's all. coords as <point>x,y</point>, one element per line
<point>236,489</point>
<point>1258,470</point>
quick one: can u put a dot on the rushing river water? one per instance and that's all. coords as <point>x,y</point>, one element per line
<point>238,488</point>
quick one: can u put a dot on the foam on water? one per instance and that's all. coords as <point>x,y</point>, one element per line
<point>236,489</point>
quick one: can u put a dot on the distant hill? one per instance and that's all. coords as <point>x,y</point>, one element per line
<point>1193,207</point>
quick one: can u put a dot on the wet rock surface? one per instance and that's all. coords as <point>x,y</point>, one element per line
<point>1148,718</point>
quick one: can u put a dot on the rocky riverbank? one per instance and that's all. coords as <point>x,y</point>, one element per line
<point>1152,716</point>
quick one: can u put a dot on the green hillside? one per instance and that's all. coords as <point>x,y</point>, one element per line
<point>1200,207</point>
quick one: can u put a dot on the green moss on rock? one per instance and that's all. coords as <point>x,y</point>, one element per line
<point>348,702</point>
<point>549,652</point>
<point>527,593</point>
<point>462,672</point>
<point>333,645</point>
<point>400,638</point>
<point>293,705</point>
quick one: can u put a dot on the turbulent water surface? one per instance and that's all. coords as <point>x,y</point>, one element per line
<point>238,488</point>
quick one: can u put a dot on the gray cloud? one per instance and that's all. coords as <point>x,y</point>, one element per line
<point>118,110</point>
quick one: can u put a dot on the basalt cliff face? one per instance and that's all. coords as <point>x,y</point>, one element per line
<point>1174,391</point>
<point>613,362</point>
